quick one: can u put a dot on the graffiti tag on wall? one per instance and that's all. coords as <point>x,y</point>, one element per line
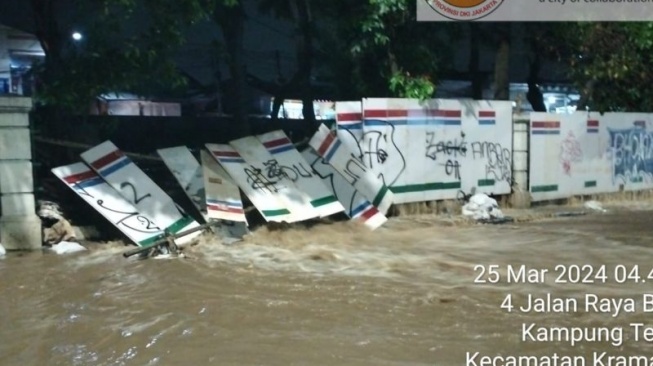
<point>272,174</point>
<point>345,193</point>
<point>570,152</point>
<point>132,220</point>
<point>498,159</point>
<point>379,148</point>
<point>632,154</point>
<point>447,152</point>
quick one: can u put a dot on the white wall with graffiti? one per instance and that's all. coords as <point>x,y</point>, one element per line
<point>380,152</point>
<point>589,153</point>
<point>431,150</point>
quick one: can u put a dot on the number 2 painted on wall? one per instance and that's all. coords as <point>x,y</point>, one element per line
<point>134,193</point>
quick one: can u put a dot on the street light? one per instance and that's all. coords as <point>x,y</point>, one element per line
<point>77,36</point>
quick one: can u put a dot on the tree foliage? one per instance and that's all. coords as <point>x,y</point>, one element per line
<point>127,45</point>
<point>300,14</point>
<point>386,51</point>
<point>373,48</point>
<point>609,63</point>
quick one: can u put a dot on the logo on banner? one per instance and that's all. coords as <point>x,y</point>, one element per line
<point>464,9</point>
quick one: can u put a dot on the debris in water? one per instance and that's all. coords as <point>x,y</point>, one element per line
<point>67,247</point>
<point>482,207</point>
<point>323,256</point>
<point>569,214</point>
<point>595,205</point>
<point>49,210</point>
<point>497,220</point>
<point>55,226</point>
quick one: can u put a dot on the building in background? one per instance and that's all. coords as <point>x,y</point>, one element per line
<point>293,109</point>
<point>132,105</point>
<point>18,52</point>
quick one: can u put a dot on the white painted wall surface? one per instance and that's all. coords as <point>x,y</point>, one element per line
<point>588,153</point>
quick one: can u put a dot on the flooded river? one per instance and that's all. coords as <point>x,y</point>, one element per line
<point>336,294</point>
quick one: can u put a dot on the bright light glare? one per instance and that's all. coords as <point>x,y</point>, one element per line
<point>77,36</point>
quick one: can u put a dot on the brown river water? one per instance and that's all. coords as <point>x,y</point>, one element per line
<point>340,295</point>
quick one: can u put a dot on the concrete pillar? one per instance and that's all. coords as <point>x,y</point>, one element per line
<point>5,61</point>
<point>521,197</point>
<point>20,227</point>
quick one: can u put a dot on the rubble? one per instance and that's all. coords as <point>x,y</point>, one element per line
<point>481,207</point>
<point>594,205</point>
<point>55,226</point>
<point>67,247</point>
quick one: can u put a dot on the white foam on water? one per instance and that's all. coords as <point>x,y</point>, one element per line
<point>401,295</point>
<point>345,250</point>
<point>99,254</point>
<point>79,354</point>
<point>443,257</point>
<point>67,247</point>
<point>141,326</point>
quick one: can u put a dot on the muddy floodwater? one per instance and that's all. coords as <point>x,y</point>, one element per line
<point>416,292</point>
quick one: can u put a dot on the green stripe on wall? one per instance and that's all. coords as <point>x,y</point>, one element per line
<point>425,187</point>
<point>590,184</point>
<point>485,182</point>
<point>176,226</point>
<point>549,188</point>
<point>380,195</point>
<point>637,180</point>
<point>280,212</point>
<point>323,201</point>
<point>151,240</point>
